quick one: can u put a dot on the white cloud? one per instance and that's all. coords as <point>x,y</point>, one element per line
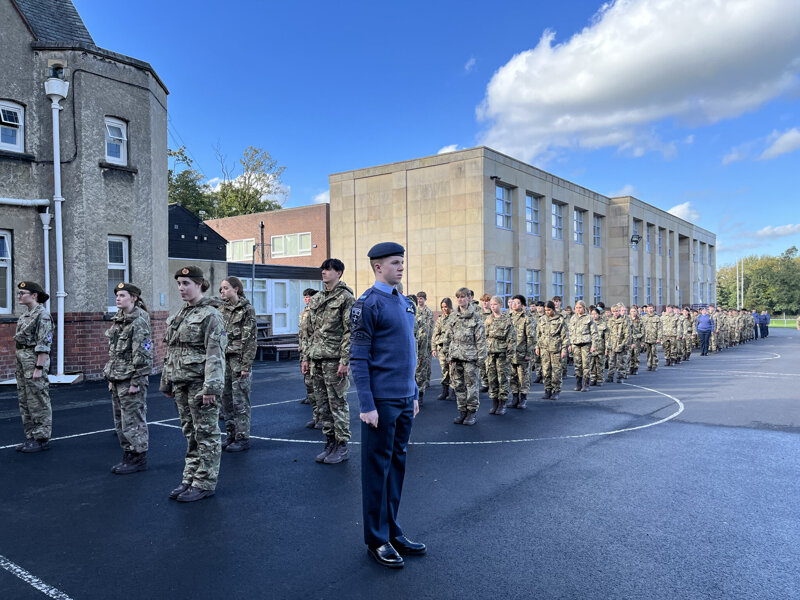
<point>783,144</point>
<point>685,211</point>
<point>469,64</point>
<point>640,62</point>
<point>770,232</point>
<point>446,149</point>
<point>689,139</point>
<point>735,155</point>
<point>627,190</point>
<point>322,198</point>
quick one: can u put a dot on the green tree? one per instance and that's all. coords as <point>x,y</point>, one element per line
<point>257,188</point>
<point>771,283</point>
<point>187,187</point>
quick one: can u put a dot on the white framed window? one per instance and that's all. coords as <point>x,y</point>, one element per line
<point>648,245</point>
<point>533,278</point>
<point>578,226</point>
<point>504,283</point>
<point>502,200</point>
<point>660,291</point>
<point>636,289</point>
<point>660,242</point>
<point>257,296</point>
<point>5,272</point>
<point>532,205</point>
<point>118,266</point>
<point>558,283</point>
<point>12,127</point>
<point>578,286</point>
<point>597,231</point>
<point>558,220</point>
<point>116,141</point>
<point>291,244</point>
<point>649,294</point>
<point>239,250</point>
<point>598,288</point>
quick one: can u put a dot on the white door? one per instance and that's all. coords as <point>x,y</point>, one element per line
<point>280,306</point>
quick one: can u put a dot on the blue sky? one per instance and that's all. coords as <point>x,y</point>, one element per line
<point>690,105</point>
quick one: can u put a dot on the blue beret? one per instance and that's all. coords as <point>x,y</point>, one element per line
<point>386,249</point>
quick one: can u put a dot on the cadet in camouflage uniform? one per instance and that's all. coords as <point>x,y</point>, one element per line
<point>303,346</point>
<point>584,339</point>
<point>536,360</point>
<point>653,334</point>
<point>619,340</point>
<point>130,362</point>
<point>425,321</point>
<point>566,313</point>
<point>552,340</point>
<point>521,358</point>
<point>689,333</point>
<point>329,354</point>
<point>194,374</point>
<point>598,357</point>
<point>637,337</point>
<point>484,312</point>
<point>33,338</point>
<point>670,330</point>
<point>465,348</point>
<point>713,342</point>
<point>501,345</point>
<point>437,345</point>
<point>239,317</point>
<point>625,366</point>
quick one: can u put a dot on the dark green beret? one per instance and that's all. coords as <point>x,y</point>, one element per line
<point>32,286</point>
<point>190,271</point>
<point>386,249</point>
<point>128,287</point>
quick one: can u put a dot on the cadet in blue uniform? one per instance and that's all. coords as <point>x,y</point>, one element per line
<point>383,360</point>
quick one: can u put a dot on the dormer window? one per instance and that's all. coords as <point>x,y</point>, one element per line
<point>116,141</point>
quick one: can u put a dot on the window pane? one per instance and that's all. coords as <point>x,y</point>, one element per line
<point>115,276</point>
<point>277,245</point>
<point>4,299</point>
<point>3,248</point>
<point>8,135</point>
<point>113,150</point>
<point>261,284</point>
<point>10,116</point>
<point>116,254</point>
<point>292,245</point>
<point>305,242</point>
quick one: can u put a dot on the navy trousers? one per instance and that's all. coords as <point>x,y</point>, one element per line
<point>383,467</point>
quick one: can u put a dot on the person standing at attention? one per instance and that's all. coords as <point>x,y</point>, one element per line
<point>383,360</point>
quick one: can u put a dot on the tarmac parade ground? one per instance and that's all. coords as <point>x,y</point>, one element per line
<point>683,483</point>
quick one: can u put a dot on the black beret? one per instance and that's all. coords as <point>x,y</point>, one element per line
<point>190,271</point>
<point>32,286</point>
<point>128,287</point>
<point>386,249</point>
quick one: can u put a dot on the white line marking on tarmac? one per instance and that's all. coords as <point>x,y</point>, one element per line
<point>32,580</point>
<point>65,437</point>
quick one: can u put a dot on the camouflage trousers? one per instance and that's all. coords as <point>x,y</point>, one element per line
<point>130,415</point>
<point>580,356</point>
<point>652,355</point>
<point>423,373</point>
<point>466,379</point>
<point>536,365</point>
<point>551,370</point>
<point>236,402</point>
<point>714,341</point>
<point>633,358</point>
<point>498,372</point>
<point>330,391</point>
<point>445,369</point>
<point>617,364</point>
<point>596,366</point>
<point>200,425</point>
<point>670,346</point>
<point>521,377</point>
<point>484,374</point>
<point>34,396</point>
<point>308,381</point>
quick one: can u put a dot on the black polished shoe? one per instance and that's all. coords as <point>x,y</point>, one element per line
<point>193,494</point>
<point>405,546</point>
<point>238,446</point>
<point>386,556</point>
<point>173,495</point>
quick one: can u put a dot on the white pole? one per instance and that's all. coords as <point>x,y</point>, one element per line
<point>45,217</point>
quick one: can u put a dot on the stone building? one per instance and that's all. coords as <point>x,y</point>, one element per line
<point>482,219</point>
<point>113,164</point>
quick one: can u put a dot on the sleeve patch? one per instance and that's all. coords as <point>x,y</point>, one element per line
<point>355,315</point>
<point>147,345</point>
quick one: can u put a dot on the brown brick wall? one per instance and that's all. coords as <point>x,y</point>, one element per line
<point>313,218</point>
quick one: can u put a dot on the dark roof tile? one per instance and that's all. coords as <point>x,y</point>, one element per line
<point>55,21</point>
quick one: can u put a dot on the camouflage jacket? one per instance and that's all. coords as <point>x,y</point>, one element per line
<point>602,337</point>
<point>196,342</point>
<point>423,331</point>
<point>670,325</point>
<point>501,337</point>
<point>653,328</point>
<point>465,336</point>
<point>525,334</point>
<point>582,330</point>
<point>130,348</point>
<point>426,314</point>
<point>240,325</point>
<point>619,334</point>
<point>35,329</point>
<point>329,324</point>
<point>637,330</point>
<point>552,334</point>
<point>303,335</point>
<point>439,332</point>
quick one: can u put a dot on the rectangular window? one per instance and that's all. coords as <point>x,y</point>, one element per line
<point>695,250</point>
<point>258,297</point>
<point>636,289</point>
<point>533,285</point>
<point>12,123</point>
<point>649,294</point>
<point>597,231</point>
<point>558,221</point>
<point>578,286</point>
<point>598,288</point>
<point>6,286</point>
<point>558,283</point>
<point>660,291</point>
<point>116,141</point>
<point>702,293</point>
<point>635,246</point>
<point>578,226</point>
<point>532,204</point>
<point>695,292</point>
<point>660,242</point>
<point>502,206</point>
<point>504,283</point>
<point>648,246</point>
<point>239,250</point>
<point>118,267</point>
<point>291,244</point>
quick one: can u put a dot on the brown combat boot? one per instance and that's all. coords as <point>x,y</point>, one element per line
<point>338,454</point>
<point>459,420</point>
<point>578,383</point>
<point>123,462</point>
<point>327,450</point>
<point>523,401</point>
<point>137,461</point>
<point>493,410</point>
<point>512,402</point>
<point>501,407</point>
<point>470,419</point>
<point>585,387</point>
<point>444,394</point>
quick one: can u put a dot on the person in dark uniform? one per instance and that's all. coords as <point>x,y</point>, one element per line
<point>383,360</point>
